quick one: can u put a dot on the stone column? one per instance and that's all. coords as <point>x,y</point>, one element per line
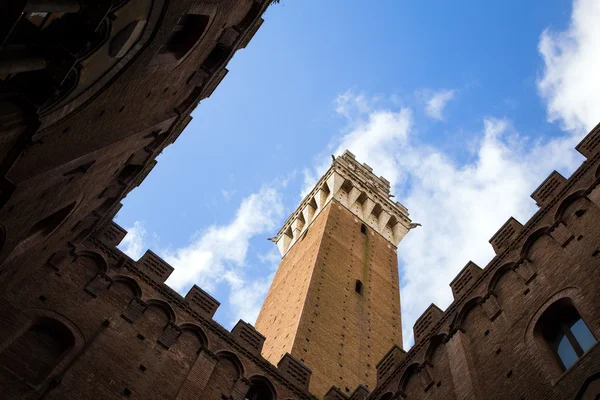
<point>462,368</point>
<point>198,377</point>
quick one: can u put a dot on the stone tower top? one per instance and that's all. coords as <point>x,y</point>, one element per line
<point>356,187</point>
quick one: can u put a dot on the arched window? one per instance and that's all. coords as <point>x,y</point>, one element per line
<point>564,332</point>
<point>260,389</point>
<point>36,352</point>
<point>185,34</point>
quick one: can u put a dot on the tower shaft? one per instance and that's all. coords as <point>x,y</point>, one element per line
<point>335,302</point>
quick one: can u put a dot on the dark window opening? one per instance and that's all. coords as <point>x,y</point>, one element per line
<point>579,213</point>
<point>363,229</point>
<point>216,58</point>
<point>565,333</point>
<point>129,172</point>
<point>35,353</point>
<point>259,389</point>
<point>185,34</point>
<point>358,288</point>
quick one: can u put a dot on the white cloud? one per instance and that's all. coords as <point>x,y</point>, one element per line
<point>134,242</point>
<point>570,82</point>
<point>436,103</point>
<point>218,254</point>
<point>460,205</point>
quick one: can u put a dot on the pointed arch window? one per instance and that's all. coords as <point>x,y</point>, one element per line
<point>565,333</point>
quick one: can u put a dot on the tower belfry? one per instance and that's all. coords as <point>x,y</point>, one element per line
<point>335,300</point>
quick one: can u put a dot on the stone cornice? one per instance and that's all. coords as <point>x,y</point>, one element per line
<point>359,190</point>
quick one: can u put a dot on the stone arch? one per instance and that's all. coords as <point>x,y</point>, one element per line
<point>96,257</point>
<point>198,331</point>
<point>498,274</point>
<point>567,201</point>
<point>387,396</point>
<point>408,372</point>
<point>53,341</point>
<point>130,282</point>
<point>464,311</point>
<point>434,343</point>
<point>164,306</point>
<point>531,239</point>
<point>533,337</point>
<point>261,388</point>
<point>228,355</point>
<point>570,292</point>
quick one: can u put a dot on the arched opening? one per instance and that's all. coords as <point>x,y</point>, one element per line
<point>260,389</point>
<point>387,396</point>
<point>44,227</point>
<point>563,333</point>
<point>34,354</point>
<point>185,34</point>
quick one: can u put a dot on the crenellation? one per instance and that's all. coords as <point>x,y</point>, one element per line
<point>202,302</point>
<point>113,234</point>
<point>154,266</point>
<point>548,189</point>
<point>506,234</point>
<point>360,393</point>
<point>426,321</point>
<point>295,370</point>
<point>465,279</point>
<point>356,187</point>
<point>389,363</point>
<point>526,270</point>
<point>590,145</point>
<point>247,333</point>
<point>335,394</point>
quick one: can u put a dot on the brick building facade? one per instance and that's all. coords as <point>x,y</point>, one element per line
<point>92,91</point>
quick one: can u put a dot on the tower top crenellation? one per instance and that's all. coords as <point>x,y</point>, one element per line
<point>356,187</point>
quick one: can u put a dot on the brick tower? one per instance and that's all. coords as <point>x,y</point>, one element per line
<point>335,301</point>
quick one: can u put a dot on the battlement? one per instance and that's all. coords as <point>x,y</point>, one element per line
<point>506,234</point>
<point>475,288</point>
<point>356,187</point>
<point>426,321</point>
<point>464,279</point>
<point>148,275</point>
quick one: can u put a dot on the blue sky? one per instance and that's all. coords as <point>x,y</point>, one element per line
<point>464,106</point>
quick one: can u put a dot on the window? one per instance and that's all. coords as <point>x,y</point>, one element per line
<point>363,229</point>
<point>358,287</point>
<point>185,34</point>
<point>36,352</point>
<point>260,389</point>
<point>564,332</point>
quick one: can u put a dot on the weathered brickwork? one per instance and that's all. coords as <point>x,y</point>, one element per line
<point>334,302</point>
<point>133,337</point>
<point>490,342</point>
<point>92,91</point>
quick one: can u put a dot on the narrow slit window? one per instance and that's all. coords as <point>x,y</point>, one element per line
<point>363,229</point>
<point>358,287</point>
